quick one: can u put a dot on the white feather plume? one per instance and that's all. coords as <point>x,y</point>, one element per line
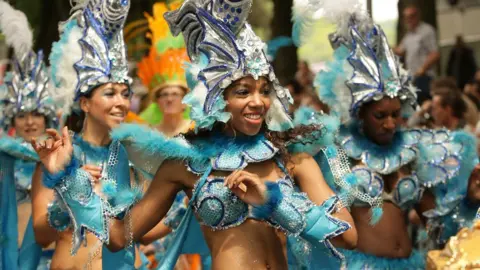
<point>339,12</point>
<point>78,4</point>
<point>16,29</point>
<point>65,53</point>
<point>303,19</point>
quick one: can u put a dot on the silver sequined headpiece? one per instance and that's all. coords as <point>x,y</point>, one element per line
<point>91,50</point>
<point>364,68</point>
<point>224,48</point>
<point>26,89</point>
<point>377,72</point>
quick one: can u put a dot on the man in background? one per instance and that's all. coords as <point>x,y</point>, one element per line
<point>461,63</point>
<point>420,49</point>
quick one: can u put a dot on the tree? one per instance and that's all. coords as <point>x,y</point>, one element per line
<point>44,16</point>
<point>285,65</point>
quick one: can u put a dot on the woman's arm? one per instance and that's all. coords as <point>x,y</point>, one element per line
<point>153,207</point>
<point>426,203</point>
<point>310,179</point>
<point>41,197</point>
<point>160,231</point>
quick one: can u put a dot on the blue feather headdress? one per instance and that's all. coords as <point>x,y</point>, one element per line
<point>26,87</point>
<point>364,68</point>
<point>91,50</point>
<point>223,48</point>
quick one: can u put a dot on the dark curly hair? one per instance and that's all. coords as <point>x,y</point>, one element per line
<point>281,140</point>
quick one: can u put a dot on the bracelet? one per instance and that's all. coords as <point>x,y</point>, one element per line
<point>128,229</point>
<point>50,180</point>
<point>274,197</point>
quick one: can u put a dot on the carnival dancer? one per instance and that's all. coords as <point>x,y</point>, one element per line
<point>26,107</point>
<point>162,71</point>
<point>90,75</point>
<point>392,170</point>
<point>235,167</point>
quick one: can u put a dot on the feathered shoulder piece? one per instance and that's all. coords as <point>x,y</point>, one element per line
<point>91,50</point>
<point>17,148</point>
<point>149,152</point>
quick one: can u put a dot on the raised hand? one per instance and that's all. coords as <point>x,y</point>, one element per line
<point>56,152</point>
<point>247,186</point>
<point>94,171</point>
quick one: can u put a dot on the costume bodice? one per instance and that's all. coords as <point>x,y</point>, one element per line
<point>217,206</point>
<point>115,177</point>
<point>430,156</point>
<point>405,193</point>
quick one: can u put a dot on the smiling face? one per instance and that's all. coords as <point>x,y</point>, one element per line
<point>381,119</point>
<point>108,105</point>
<point>169,100</point>
<point>29,125</point>
<point>248,101</point>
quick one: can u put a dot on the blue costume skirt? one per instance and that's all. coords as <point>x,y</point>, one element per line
<point>45,260</point>
<point>359,261</point>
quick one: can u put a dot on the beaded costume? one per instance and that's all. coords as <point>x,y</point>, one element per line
<point>365,70</point>
<point>91,52</point>
<point>223,48</point>
<point>25,90</point>
<point>223,23</point>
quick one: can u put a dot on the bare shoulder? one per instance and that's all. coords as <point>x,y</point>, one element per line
<point>300,158</point>
<point>175,171</point>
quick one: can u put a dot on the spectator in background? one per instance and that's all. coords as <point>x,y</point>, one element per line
<point>472,89</point>
<point>304,75</point>
<point>447,84</point>
<point>448,109</point>
<point>461,63</point>
<point>446,88</point>
<point>420,49</point>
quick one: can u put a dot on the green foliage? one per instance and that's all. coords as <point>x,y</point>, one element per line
<point>261,18</point>
<point>317,47</point>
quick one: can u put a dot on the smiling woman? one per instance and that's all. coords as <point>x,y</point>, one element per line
<point>29,125</point>
<point>105,107</point>
<point>241,166</point>
<point>100,90</point>
<point>248,102</point>
<point>27,107</point>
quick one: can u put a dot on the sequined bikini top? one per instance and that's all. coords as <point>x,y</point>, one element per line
<point>115,177</point>
<point>432,157</point>
<point>217,207</point>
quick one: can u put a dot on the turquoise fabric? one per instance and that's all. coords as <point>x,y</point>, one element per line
<point>89,212</point>
<point>359,261</point>
<point>30,254</point>
<point>16,162</point>
<point>8,213</point>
